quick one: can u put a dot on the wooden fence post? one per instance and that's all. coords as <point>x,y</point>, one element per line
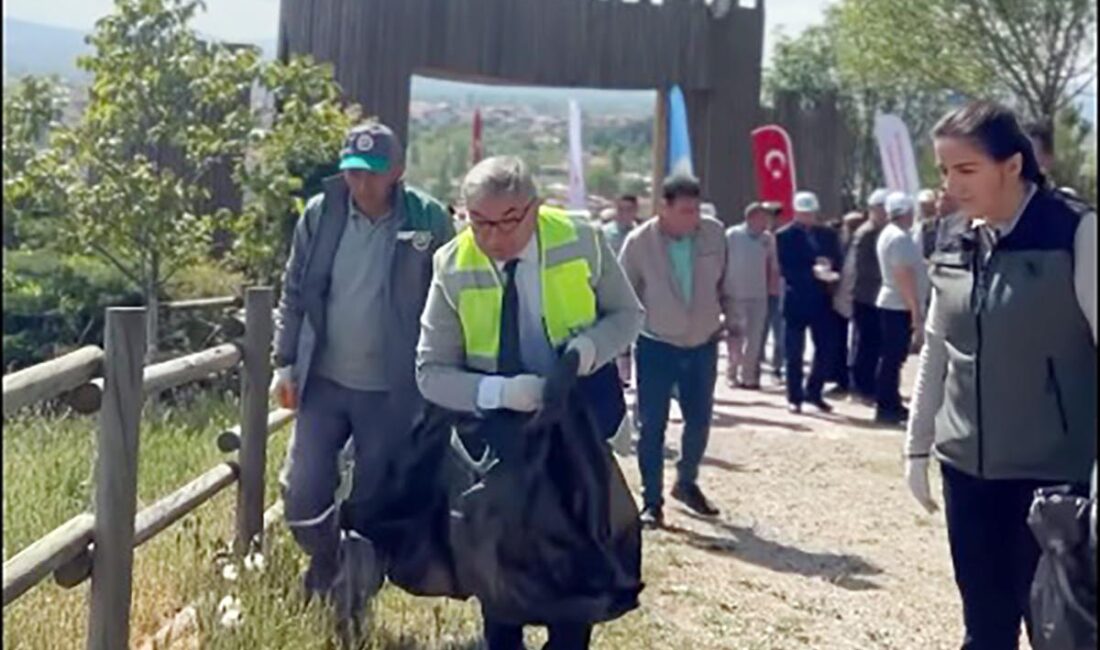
<point>255,380</point>
<point>116,479</point>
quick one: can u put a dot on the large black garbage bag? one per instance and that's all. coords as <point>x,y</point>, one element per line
<point>1063,592</point>
<point>545,530</point>
<point>407,518</point>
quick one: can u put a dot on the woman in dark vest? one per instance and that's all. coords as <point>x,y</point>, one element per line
<point>1005,396</point>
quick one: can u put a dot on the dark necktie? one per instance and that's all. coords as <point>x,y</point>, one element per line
<point>509,361</point>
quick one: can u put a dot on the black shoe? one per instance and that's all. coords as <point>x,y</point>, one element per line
<point>862,398</point>
<point>793,408</point>
<point>652,517</point>
<point>822,405</point>
<point>692,497</point>
<point>887,417</point>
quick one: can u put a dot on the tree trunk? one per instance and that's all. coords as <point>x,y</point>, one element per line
<point>152,304</point>
<point>152,322</point>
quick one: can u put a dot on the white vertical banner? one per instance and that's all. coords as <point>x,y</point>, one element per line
<point>577,196</point>
<point>899,164</point>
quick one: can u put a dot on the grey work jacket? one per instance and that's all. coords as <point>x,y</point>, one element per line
<point>300,320</point>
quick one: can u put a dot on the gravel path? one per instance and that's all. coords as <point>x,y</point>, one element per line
<point>819,544</point>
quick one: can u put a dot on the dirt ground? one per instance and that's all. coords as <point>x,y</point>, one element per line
<point>819,544</point>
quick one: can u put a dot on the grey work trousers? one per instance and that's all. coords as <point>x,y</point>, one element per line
<point>329,417</point>
<point>746,350</point>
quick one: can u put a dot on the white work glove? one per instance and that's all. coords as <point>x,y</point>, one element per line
<point>283,388</point>
<point>586,354</point>
<point>916,475</point>
<point>522,393</point>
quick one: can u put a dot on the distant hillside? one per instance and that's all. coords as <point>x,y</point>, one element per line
<point>34,48</point>
<point>31,48</point>
<point>551,100</point>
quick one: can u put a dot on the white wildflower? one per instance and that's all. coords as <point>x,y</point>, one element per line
<point>229,611</point>
<point>229,572</point>
<point>254,562</point>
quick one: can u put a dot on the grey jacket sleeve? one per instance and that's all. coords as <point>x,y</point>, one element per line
<point>619,313</point>
<point>288,316</point>
<point>440,354</point>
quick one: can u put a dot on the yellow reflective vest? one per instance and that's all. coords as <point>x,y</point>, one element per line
<point>473,285</point>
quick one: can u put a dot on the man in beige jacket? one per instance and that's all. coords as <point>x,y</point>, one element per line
<point>677,264</point>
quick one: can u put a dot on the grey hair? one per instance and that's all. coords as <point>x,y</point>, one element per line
<point>497,176</point>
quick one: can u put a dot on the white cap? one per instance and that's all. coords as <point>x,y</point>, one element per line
<point>806,202</point>
<point>898,203</point>
<point>878,197</point>
<point>926,196</point>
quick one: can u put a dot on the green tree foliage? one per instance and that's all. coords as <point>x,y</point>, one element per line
<point>601,179</point>
<point>31,110</point>
<point>165,111</point>
<point>1036,53</point>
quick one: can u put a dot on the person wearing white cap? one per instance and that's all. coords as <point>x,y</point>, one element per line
<point>803,249</point>
<point>899,304</point>
<point>867,279</point>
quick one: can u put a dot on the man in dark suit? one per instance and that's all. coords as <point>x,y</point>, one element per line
<point>806,252</point>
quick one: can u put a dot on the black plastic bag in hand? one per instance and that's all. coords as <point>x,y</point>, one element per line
<point>548,531</point>
<point>1063,592</point>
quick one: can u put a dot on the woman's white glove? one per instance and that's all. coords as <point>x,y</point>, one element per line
<point>586,354</point>
<point>522,393</point>
<point>916,475</point>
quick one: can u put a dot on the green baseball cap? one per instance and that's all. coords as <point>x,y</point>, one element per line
<point>372,147</point>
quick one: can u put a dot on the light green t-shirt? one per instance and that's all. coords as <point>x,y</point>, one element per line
<point>680,254</point>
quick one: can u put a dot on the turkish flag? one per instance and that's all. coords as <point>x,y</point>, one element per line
<point>774,161</point>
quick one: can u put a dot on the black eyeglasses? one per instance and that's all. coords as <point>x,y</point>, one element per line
<point>502,226</point>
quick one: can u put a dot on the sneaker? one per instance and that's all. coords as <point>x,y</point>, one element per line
<point>822,405</point>
<point>692,497</point>
<point>652,517</point>
<point>794,409</point>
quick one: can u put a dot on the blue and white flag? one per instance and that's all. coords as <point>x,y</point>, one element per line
<point>679,144</point>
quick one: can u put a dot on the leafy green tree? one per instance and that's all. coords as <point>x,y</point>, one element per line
<point>1037,53</point>
<point>165,110</point>
<point>32,108</point>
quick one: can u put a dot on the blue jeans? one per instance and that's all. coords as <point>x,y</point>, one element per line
<point>661,367</point>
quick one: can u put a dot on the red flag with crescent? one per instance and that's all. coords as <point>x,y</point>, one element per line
<point>475,145</point>
<point>773,156</point>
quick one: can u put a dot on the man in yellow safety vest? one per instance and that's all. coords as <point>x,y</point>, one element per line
<point>510,293</point>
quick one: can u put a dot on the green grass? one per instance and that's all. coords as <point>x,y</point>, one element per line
<point>48,466</point>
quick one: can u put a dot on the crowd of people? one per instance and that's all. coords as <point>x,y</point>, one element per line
<point>991,277</point>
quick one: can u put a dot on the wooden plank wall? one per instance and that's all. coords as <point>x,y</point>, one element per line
<point>377,45</point>
<point>823,148</point>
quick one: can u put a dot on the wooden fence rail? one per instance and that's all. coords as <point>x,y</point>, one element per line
<point>220,302</point>
<point>50,379</point>
<point>101,545</point>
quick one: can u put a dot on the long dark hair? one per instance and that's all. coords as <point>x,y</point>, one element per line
<point>995,129</point>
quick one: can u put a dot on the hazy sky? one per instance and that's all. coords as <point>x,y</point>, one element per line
<point>253,20</point>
